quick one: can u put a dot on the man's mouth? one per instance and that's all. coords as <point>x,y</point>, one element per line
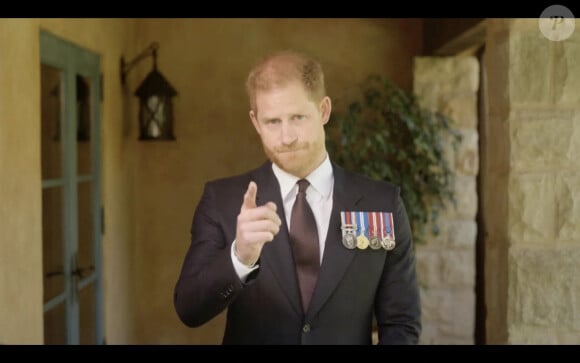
<point>283,151</point>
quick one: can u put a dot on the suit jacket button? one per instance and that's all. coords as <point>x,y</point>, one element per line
<point>306,328</point>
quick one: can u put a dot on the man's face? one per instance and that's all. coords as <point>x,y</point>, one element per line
<point>291,127</point>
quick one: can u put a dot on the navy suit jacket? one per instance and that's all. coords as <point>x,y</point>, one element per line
<point>352,284</point>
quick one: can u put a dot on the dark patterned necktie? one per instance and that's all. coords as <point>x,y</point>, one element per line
<point>304,240</point>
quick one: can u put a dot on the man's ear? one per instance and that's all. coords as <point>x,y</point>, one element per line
<point>254,121</point>
<point>325,109</point>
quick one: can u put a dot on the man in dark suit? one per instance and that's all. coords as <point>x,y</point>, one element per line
<point>250,250</point>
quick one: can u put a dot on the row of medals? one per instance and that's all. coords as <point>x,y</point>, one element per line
<point>351,241</point>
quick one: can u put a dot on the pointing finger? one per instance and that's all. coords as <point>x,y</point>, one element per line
<point>250,196</point>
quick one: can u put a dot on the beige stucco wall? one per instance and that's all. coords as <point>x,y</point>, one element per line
<point>21,317</point>
<point>20,223</point>
<point>150,189</point>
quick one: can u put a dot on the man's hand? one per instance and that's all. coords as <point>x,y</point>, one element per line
<point>256,226</point>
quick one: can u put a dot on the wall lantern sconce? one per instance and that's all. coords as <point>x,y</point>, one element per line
<point>155,104</point>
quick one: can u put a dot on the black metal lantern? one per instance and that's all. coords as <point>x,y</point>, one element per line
<point>155,104</point>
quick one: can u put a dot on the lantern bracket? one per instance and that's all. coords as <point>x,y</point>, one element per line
<point>127,66</point>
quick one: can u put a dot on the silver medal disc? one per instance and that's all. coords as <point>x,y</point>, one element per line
<point>349,240</point>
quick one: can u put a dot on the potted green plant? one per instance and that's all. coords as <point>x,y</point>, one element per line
<point>385,134</point>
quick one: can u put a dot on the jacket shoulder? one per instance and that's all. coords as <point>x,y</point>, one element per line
<point>369,185</point>
<point>233,182</point>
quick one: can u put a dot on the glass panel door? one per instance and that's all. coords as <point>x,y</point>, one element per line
<point>53,247</point>
<point>71,193</point>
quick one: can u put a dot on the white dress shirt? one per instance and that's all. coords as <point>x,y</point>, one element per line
<point>318,195</point>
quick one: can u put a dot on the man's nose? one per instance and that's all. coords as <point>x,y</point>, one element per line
<point>288,135</point>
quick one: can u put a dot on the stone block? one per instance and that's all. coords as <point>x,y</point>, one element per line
<point>567,72</point>
<point>467,153</point>
<point>532,209</point>
<point>527,334</point>
<point>461,109</point>
<point>458,268</point>
<point>545,140</point>
<point>455,340</point>
<point>568,206</point>
<point>544,288</point>
<point>432,240</point>
<point>529,68</point>
<point>437,77</point>
<point>428,267</point>
<point>461,234</point>
<point>530,335</point>
<point>451,310</point>
<point>430,333</point>
<point>450,261</point>
<point>465,190</point>
<point>568,337</point>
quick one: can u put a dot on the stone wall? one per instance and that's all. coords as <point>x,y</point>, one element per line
<point>542,118</point>
<point>530,191</point>
<point>446,262</point>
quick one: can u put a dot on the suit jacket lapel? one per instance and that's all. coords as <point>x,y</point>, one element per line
<point>336,257</point>
<point>277,255</point>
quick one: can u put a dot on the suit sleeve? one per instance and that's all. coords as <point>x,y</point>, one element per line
<point>397,304</point>
<point>208,282</point>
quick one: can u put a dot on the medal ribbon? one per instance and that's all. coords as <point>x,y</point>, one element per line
<point>392,226</point>
<point>388,224</point>
<point>362,223</point>
<point>373,225</point>
<point>383,227</point>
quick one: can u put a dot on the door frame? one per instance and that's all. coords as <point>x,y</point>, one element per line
<point>72,59</point>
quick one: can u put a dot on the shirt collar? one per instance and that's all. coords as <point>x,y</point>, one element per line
<point>321,180</point>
